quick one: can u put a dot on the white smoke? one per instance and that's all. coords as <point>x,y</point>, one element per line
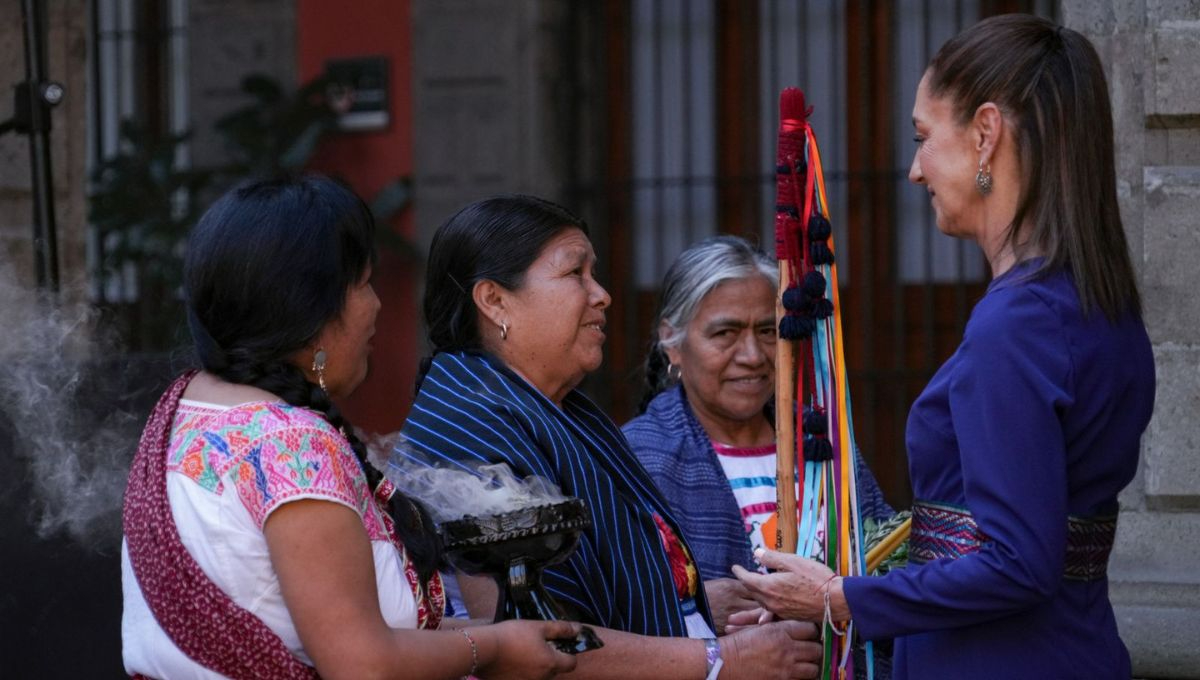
<point>63,413</point>
<point>454,493</point>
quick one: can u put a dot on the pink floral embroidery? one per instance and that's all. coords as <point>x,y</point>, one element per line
<point>273,453</point>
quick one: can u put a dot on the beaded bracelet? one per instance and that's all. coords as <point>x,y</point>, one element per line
<point>474,653</point>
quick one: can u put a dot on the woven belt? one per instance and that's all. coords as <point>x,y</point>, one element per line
<point>940,530</point>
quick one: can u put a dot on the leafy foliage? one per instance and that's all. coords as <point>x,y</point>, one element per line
<point>143,203</point>
<point>276,132</point>
<point>874,532</point>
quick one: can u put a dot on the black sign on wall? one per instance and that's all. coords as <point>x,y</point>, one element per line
<point>360,88</point>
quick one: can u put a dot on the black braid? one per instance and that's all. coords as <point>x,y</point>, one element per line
<point>267,267</point>
<point>414,525</point>
<point>655,370</point>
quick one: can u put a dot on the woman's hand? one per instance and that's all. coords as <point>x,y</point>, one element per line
<point>747,619</point>
<point>727,596</point>
<point>784,649</point>
<point>520,649</point>
<point>794,590</point>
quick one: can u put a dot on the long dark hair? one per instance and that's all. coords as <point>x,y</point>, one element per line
<point>495,239</point>
<point>1049,79</point>
<point>267,267</point>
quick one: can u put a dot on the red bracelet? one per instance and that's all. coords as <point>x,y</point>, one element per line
<point>827,582</point>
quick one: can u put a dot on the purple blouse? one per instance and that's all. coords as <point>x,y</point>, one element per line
<point>1036,416</point>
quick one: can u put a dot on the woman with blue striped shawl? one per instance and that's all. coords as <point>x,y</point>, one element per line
<point>516,320</point>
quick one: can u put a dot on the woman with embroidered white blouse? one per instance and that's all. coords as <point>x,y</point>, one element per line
<point>259,540</point>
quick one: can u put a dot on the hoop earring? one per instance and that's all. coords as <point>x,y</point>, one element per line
<point>503,330</point>
<point>674,372</point>
<point>318,366</point>
<point>983,179</point>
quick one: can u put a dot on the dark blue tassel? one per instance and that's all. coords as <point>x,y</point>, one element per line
<point>818,228</point>
<point>796,327</point>
<point>814,285</point>
<point>814,422</point>
<point>817,449</point>
<point>822,308</point>
<point>793,301</point>
<point>820,253</point>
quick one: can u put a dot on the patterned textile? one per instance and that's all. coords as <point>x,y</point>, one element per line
<point>431,597</point>
<point>473,410</point>
<point>258,456</point>
<point>1089,542</point>
<point>272,453</point>
<point>940,530</point>
<point>677,452</point>
<point>683,569</point>
<point>275,453</point>
<point>203,621</point>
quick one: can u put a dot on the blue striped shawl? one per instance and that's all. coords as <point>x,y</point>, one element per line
<point>473,410</point>
<point>677,452</point>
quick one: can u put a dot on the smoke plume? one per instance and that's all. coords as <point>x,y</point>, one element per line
<point>452,494</point>
<point>65,402</point>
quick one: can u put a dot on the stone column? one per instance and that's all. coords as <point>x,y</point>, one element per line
<point>493,98</point>
<point>1152,51</point>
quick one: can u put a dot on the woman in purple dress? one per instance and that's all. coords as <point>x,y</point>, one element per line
<point>1021,442</point>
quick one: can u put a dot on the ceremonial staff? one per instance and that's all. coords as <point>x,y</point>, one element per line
<point>789,149</point>
<point>812,391</point>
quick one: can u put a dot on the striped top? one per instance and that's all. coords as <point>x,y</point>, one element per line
<point>751,474</point>
<point>473,410</point>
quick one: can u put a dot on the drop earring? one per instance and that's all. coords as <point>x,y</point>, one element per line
<point>318,367</point>
<point>983,179</point>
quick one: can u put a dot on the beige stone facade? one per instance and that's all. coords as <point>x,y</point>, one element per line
<point>1152,51</point>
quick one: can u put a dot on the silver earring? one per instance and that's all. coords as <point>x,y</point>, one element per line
<point>674,372</point>
<point>318,366</point>
<point>503,330</point>
<point>983,179</point>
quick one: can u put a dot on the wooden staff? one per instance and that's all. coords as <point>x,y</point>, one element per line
<point>790,147</point>
<point>786,533</point>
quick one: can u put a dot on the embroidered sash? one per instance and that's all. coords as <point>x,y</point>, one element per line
<point>940,530</point>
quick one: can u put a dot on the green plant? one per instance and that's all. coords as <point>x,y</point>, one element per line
<point>141,205</point>
<point>874,532</point>
<point>276,131</point>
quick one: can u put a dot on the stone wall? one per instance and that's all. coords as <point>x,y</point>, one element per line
<point>66,63</point>
<point>1152,51</point>
<point>493,92</point>
<point>229,40</point>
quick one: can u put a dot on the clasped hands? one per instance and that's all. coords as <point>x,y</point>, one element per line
<point>796,589</point>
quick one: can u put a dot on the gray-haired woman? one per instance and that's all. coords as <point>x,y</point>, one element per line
<point>706,432</point>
